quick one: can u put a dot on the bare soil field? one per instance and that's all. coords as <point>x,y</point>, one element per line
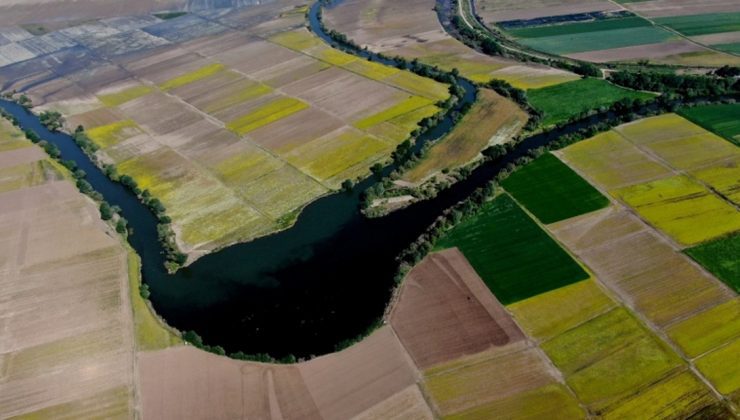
<point>444,311</point>
<point>66,346</point>
<point>185,382</point>
<point>638,52</point>
<point>641,267</point>
<point>411,29</point>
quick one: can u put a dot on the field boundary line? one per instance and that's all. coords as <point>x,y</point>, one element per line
<point>658,332</point>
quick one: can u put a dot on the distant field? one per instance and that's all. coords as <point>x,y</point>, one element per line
<point>552,191</point>
<point>580,95</point>
<point>579,28</point>
<point>411,29</point>
<point>702,24</point>
<point>505,246</point>
<point>492,120</point>
<point>720,257</point>
<point>733,48</point>
<point>598,40</point>
<point>723,119</point>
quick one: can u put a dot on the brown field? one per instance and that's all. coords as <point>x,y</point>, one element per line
<point>720,38</point>
<point>641,267</point>
<point>408,404</point>
<point>492,120</point>
<point>185,382</point>
<point>66,346</point>
<point>639,52</point>
<point>411,29</point>
<point>495,10</point>
<point>444,311</point>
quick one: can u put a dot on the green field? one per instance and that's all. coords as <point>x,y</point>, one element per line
<point>723,119</point>
<point>579,95</point>
<point>710,23</point>
<point>721,258</point>
<point>599,40</point>
<point>552,191</point>
<point>733,47</point>
<point>579,28</point>
<point>512,254</point>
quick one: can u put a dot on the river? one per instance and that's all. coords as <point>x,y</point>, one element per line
<point>300,291</point>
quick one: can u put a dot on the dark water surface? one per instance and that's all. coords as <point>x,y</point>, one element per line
<point>300,291</point>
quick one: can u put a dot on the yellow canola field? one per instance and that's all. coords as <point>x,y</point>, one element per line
<point>193,76</point>
<point>266,114</point>
<point>123,96</point>
<point>111,134</point>
<point>682,208</point>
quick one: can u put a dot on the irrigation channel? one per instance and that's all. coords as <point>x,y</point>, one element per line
<point>300,291</point>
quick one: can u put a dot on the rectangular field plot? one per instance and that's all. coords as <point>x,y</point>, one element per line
<point>526,78</point>
<point>492,120</point>
<point>709,23</point>
<point>722,368</point>
<point>111,134</point>
<point>679,396</point>
<point>709,329</point>
<point>344,154</point>
<point>600,40</point>
<point>720,257</point>
<point>549,401</point>
<point>552,191</point>
<point>682,208</point>
<point>611,161</point>
<point>610,357</point>
<point>194,76</point>
<point>721,119</point>
<point>124,95</point>
<point>444,311</point>
<point>578,28</point>
<point>266,114</point>
<point>471,384</point>
<point>640,267</point>
<point>550,314</point>
<point>550,100</point>
<point>512,254</point>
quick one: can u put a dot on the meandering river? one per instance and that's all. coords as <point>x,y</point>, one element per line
<point>300,291</point>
